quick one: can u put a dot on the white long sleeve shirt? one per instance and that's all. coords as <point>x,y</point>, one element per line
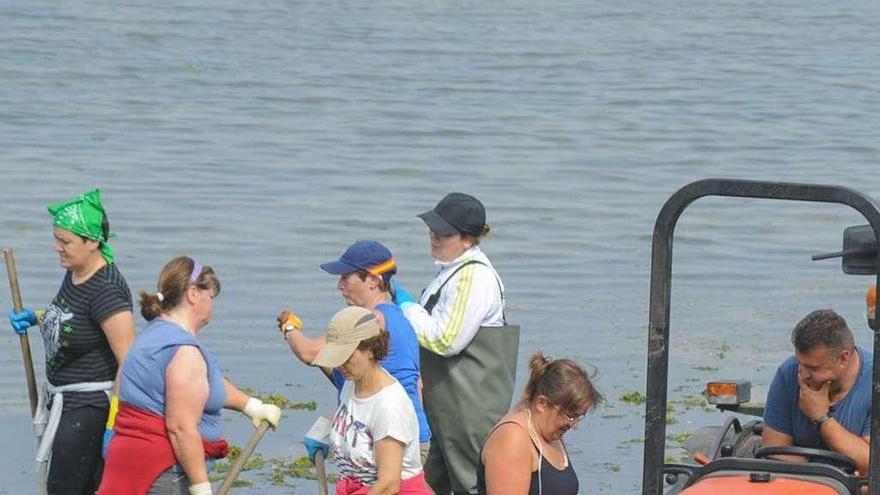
<point>472,298</point>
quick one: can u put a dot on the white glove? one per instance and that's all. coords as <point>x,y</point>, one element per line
<point>257,411</point>
<point>201,489</point>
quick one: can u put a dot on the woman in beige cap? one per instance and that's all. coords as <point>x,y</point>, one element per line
<point>375,433</point>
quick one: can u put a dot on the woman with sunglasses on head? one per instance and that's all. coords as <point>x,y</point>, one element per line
<point>87,331</point>
<point>172,391</point>
<point>524,453</point>
<point>468,351</point>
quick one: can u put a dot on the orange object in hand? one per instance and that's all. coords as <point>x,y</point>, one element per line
<point>288,321</point>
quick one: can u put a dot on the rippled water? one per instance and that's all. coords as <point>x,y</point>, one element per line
<point>264,138</point>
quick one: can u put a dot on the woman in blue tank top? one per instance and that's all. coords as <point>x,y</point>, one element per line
<point>524,453</point>
<point>172,391</point>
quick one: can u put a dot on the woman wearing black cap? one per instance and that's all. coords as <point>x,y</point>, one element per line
<point>468,351</point>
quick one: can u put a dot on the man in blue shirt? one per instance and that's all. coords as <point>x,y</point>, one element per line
<point>365,270</point>
<point>821,397</point>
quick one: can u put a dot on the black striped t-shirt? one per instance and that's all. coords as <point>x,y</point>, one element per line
<point>76,347</point>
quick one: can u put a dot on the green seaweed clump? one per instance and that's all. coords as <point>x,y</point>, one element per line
<point>634,397</point>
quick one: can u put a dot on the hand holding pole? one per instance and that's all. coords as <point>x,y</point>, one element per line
<point>23,339</point>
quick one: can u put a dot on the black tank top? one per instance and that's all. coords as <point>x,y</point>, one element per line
<point>553,481</point>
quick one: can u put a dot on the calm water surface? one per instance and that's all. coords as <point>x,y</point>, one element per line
<point>264,138</point>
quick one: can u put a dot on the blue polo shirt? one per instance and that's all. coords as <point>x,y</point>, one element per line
<point>402,362</point>
<point>853,412</point>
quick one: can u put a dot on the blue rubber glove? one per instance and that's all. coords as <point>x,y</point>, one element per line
<point>110,425</point>
<point>313,446</point>
<point>401,296</point>
<point>22,320</point>
<point>105,443</point>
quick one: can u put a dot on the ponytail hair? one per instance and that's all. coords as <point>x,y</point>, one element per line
<point>563,382</point>
<point>174,279</point>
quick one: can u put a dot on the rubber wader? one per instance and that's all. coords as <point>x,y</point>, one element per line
<point>464,396</point>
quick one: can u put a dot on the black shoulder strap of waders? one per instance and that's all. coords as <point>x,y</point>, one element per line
<point>432,301</point>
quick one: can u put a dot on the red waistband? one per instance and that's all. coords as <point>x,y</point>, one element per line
<point>415,485</point>
<point>141,451</point>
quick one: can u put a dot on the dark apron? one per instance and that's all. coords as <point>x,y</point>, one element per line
<point>464,396</point>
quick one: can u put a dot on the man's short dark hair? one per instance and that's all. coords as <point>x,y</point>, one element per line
<point>822,327</point>
<point>384,279</point>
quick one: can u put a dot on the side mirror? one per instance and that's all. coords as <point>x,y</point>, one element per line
<point>859,251</point>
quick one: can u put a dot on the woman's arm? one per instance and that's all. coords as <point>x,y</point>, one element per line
<point>186,392</point>
<point>120,333</point>
<point>508,459</point>
<point>389,460</point>
<point>235,398</point>
<point>304,348</point>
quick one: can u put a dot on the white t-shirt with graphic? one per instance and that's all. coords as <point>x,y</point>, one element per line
<point>359,423</point>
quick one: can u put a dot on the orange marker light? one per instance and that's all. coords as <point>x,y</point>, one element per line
<point>722,388</point>
<point>728,392</point>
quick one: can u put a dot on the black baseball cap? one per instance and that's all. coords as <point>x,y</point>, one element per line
<point>456,213</point>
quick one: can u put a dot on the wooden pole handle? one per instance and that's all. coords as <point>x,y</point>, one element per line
<point>23,339</point>
<point>246,452</point>
<point>322,472</point>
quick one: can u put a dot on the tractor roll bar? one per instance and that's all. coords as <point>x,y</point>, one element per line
<point>658,324</point>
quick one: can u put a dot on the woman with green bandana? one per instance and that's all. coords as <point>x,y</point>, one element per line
<point>87,330</point>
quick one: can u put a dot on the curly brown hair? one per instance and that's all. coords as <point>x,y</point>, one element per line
<point>377,346</point>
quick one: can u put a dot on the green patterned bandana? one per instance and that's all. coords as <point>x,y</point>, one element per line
<point>83,216</point>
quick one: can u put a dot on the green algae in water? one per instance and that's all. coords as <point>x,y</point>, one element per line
<point>704,368</point>
<point>634,397</point>
<point>300,467</point>
<point>680,437</point>
<point>255,462</point>
<point>281,400</point>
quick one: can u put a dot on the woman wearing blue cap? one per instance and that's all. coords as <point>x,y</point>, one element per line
<point>468,351</point>
<point>87,331</point>
<point>365,270</point>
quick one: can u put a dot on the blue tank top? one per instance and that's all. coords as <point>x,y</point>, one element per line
<point>142,383</point>
<point>402,362</point>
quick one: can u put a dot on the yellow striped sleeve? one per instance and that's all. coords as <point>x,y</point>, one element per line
<point>456,314</point>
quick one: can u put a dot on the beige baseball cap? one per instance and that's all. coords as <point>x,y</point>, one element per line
<point>347,329</point>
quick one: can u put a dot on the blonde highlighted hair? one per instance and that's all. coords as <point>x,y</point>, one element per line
<point>174,279</point>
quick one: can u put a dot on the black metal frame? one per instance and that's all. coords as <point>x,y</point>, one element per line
<point>661,284</point>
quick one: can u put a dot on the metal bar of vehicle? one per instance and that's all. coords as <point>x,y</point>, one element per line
<point>658,325</point>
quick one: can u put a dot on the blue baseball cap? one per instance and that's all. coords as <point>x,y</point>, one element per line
<point>370,256</point>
